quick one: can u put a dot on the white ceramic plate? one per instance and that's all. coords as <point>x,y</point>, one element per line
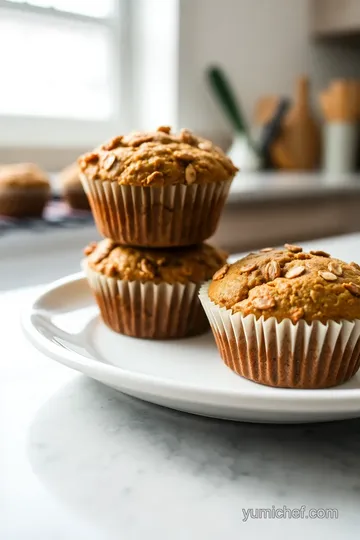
<point>186,374</point>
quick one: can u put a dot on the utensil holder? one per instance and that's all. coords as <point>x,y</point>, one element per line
<point>340,146</point>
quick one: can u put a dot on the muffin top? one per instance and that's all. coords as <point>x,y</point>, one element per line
<point>69,177</point>
<point>182,265</point>
<point>288,283</point>
<point>23,175</point>
<point>158,158</point>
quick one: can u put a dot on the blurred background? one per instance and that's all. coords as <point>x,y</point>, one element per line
<point>275,83</point>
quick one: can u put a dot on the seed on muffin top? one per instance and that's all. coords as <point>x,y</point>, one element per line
<point>289,283</point>
<point>157,159</point>
<point>182,265</point>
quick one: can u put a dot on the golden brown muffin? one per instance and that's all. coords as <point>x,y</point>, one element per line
<point>24,190</point>
<point>288,283</point>
<point>72,188</point>
<point>181,265</point>
<point>151,294</point>
<point>157,189</point>
<point>285,318</point>
<point>158,159</point>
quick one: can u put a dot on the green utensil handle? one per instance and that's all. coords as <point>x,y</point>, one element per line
<point>225,94</point>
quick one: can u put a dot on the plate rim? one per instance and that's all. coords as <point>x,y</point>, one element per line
<point>51,349</point>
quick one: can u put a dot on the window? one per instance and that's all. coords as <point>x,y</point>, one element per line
<point>61,69</point>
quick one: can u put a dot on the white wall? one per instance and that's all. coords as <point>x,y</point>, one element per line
<point>262,44</point>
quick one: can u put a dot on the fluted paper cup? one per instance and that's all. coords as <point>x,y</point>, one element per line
<point>148,310</point>
<point>284,354</point>
<point>167,216</point>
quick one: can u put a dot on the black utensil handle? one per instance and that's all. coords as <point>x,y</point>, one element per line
<point>271,129</point>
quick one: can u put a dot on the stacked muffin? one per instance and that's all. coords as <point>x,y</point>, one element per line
<point>155,197</point>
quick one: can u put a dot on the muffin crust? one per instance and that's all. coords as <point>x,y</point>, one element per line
<point>70,178</point>
<point>23,175</point>
<point>182,265</point>
<point>158,159</point>
<point>288,283</point>
<point>72,189</point>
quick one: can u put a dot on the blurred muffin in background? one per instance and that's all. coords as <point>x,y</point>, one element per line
<point>71,188</point>
<point>24,190</point>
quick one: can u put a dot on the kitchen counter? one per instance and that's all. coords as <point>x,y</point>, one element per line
<point>270,186</point>
<point>79,461</point>
<point>271,208</point>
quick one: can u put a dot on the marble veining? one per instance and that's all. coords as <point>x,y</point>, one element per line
<point>152,468</point>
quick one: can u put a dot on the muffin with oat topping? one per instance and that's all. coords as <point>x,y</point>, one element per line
<point>24,190</point>
<point>157,189</point>
<point>72,188</point>
<point>151,293</point>
<point>287,318</point>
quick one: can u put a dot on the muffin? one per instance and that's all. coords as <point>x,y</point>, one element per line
<point>285,318</point>
<point>157,189</point>
<point>24,190</point>
<point>151,293</point>
<point>72,189</point>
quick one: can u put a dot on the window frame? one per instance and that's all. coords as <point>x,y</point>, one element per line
<point>51,132</point>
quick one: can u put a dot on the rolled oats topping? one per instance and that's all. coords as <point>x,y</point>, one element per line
<point>190,174</point>
<point>187,137</point>
<point>248,268</point>
<point>292,248</point>
<point>320,253</point>
<point>164,129</point>
<point>264,302</point>
<point>288,284</point>
<point>109,161</point>
<point>132,159</point>
<point>206,145</point>
<point>183,265</point>
<point>147,268</point>
<point>294,272</point>
<point>352,288</point>
<point>88,250</point>
<point>101,251</point>
<point>272,270</point>
<point>355,265</point>
<point>221,272</point>
<point>155,178</point>
<point>335,268</point>
<point>328,276</point>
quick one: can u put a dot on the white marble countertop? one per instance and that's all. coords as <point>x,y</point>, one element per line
<point>79,461</point>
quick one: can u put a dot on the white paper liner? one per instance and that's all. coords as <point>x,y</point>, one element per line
<point>285,354</point>
<point>167,216</point>
<point>148,310</point>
